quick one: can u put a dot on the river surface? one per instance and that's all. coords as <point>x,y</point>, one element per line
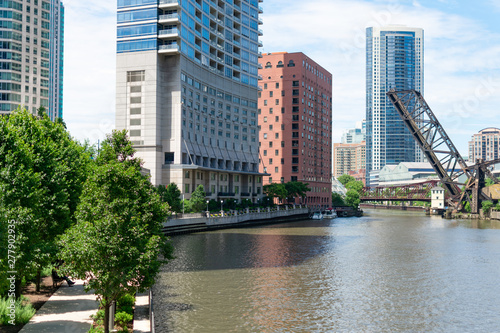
<point>387,271</point>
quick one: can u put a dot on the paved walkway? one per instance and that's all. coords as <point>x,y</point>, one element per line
<point>68,310</point>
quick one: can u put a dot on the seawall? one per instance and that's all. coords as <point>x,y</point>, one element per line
<point>200,222</point>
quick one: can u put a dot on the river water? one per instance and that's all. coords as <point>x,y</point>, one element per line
<point>387,271</point>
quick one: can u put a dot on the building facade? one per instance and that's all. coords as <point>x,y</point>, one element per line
<point>485,145</point>
<point>31,71</point>
<point>355,135</point>
<point>394,60</point>
<point>295,120</point>
<point>349,159</point>
<point>187,82</point>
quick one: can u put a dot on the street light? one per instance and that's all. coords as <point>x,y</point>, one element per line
<point>221,211</point>
<point>207,207</point>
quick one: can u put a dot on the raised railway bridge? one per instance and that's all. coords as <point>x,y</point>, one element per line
<point>411,192</point>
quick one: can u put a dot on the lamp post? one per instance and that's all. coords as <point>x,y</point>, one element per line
<point>221,211</point>
<point>207,210</point>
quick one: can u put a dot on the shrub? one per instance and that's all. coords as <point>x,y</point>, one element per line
<point>98,317</point>
<point>24,311</point>
<point>486,205</point>
<point>96,330</point>
<point>125,304</point>
<point>122,318</point>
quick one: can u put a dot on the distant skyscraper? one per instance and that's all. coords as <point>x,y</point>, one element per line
<point>394,60</point>
<point>31,71</point>
<point>295,118</point>
<point>485,145</point>
<point>355,135</point>
<point>187,82</point>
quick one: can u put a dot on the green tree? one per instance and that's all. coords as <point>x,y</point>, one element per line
<point>356,185</point>
<point>198,200</point>
<point>344,179</point>
<point>171,195</point>
<point>337,200</point>
<point>117,241</point>
<point>352,199</point>
<point>296,189</point>
<point>117,147</point>
<point>276,190</point>
<point>486,206</point>
<point>42,171</point>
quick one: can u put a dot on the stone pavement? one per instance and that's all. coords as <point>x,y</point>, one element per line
<point>68,310</point>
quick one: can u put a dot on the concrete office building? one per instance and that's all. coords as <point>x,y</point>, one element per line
<point>295,119</point>
<point>485,145</point>
<point>187,82</point>
<point>394,60</point>
<point>31,71</point>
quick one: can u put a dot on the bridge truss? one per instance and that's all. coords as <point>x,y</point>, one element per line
<point>412,192</point>
<point>441,152</point>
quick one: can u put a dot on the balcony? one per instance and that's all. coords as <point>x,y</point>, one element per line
<point>168,49</point>
<point>226,194</point>
<point>245,194</point>
<point>168,33</point>
<point>168,18</point>
<point>164,4</point>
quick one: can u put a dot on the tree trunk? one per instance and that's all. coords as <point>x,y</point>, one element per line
<point>18,287</point>
<point>106,315</point>
<point>38,279</point>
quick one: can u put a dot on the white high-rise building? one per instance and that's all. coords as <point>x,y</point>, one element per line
<point>394,60</point>
<point>32,43</point>
<point>187,83</point>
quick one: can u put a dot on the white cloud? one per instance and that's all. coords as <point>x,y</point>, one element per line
<point>459,53</point>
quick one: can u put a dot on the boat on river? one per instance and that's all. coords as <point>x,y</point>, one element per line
<point>317,216</point>
<point>330,214</point>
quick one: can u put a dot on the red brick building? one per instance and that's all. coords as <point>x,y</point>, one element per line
<point>295,121</point>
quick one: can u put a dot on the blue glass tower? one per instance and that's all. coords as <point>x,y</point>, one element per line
<point>394,60</point>
<point>187,83</point>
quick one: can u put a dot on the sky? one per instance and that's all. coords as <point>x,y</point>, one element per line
<point>461,57</point>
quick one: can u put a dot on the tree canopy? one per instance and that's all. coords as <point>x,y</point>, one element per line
<point>117,239</point>
<point>42,171</point>
<point>171,195</point>
<point>344,179</point>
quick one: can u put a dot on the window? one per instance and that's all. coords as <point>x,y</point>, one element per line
<point>277,85</point>
<point>187,175</point>
<point>186,188</point>
<point>280,64</point>
<point>276,152</point>
<point>268,65</point>
<point>276,169</point>
<point>270,161</point>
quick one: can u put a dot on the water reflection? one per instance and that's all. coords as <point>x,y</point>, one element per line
<point>385,272</point>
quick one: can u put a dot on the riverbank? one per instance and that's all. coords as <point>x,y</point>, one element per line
<point>190,223</point>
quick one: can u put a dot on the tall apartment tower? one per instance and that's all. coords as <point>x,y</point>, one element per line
<point>295,119</point>
<point>31,71</point>
<point>485,145</point>
<point>187,82</point>
<point>394,60</point>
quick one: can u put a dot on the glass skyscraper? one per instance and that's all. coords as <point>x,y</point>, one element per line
<point>187,83</point>
<point>394,60</point>
<point>31,70</point>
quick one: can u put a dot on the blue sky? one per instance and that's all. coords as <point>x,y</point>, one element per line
<point>462,57</point>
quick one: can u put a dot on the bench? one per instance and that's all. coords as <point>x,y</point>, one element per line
<point>56,279</point>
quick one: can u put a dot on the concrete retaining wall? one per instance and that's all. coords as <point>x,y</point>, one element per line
<point>191,224</point>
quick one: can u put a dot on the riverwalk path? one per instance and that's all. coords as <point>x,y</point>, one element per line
<point>67,310</point>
